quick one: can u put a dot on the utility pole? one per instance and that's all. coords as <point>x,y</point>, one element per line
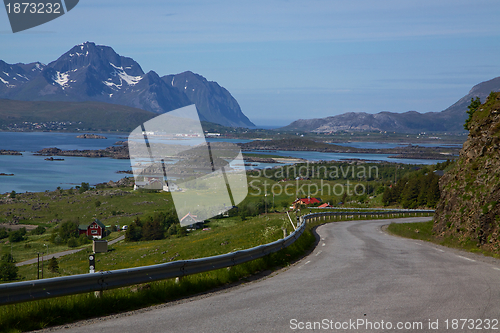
<point>42,265</point>
<point>38,267</point>
<point>265,201</point>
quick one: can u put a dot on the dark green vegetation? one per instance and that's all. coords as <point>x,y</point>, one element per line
<point>8,269</point>
<point>159,226</point>
<point>473,106</point>
<point>418,189</point>
<point>424,231</point>
<point>70,116</point>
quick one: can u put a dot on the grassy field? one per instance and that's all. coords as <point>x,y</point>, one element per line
<point>225,235</point>
<point>423,231</point>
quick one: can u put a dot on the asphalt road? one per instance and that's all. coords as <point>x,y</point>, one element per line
<point>63,253</point>
<point>357,274</point>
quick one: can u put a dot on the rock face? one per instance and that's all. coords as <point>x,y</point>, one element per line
<point>470,193</point>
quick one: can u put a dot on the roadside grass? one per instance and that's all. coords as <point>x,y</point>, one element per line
<point>423,231</point>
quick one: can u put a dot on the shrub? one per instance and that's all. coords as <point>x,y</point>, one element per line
<point>16,236</point>
<point>53,265</point>
<point>3,233</point>
<point>8,269</point>
<point>38,230</point>
<point>72,242</point>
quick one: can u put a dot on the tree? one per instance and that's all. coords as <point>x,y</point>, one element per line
<point>84,187</point>
<point>8,269</point>
<point>68,230</point>
<point>133,233</point>
<point>53,265</point>
<point>16,236</point>
<point>3,233</point>
<point>152,230</point>
<point>473,106</point>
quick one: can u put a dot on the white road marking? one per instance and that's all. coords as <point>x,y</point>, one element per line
<point>307,262</point>
<point>439,250</point>
<point>466,258</point>
<point>318,253</point>
<point>496,268</point>
<point>417,243</point>
<point>323,244</point>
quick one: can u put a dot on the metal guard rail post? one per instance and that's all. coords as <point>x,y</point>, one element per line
<point>24,291</point>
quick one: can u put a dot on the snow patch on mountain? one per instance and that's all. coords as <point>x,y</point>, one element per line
<point>61,79</point>
<point>130,79</point>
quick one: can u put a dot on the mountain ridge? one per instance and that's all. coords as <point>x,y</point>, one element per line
<point>449,120</point>
<point>90,72</point>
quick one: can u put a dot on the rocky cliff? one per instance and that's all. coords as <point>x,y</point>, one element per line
<point>470,193</point>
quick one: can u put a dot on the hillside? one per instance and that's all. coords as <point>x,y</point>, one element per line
<point>470,193</point>
<point>85,116</point>
<point>448,120</point>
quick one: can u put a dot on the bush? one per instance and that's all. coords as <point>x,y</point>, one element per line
<point>83,239</point>
<point>84,188</point>
<point>72,242</point>
<point>38,230</point>
<point>53,265</point>
<point>16,236</point>
<point>4,233</point>
<point>8,269</point>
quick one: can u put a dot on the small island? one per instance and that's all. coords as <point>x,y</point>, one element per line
<point>6,174</point>
<point>54,159</point>
<point>91,136</point>
<point>10,152</point>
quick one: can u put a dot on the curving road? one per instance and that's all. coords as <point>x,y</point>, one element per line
<point>356,275</point>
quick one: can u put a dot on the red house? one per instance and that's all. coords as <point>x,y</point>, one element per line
<point>305,202</point>
<point>95,229</point>
<point>325,205</point>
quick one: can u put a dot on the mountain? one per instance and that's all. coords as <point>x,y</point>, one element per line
<point>469,208</point>
<point>212,100</point>
<point>449,120</point>
<point>90,72</point>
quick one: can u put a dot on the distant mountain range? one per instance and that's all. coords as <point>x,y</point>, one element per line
<point>449,120</point>
<point>90,72</point>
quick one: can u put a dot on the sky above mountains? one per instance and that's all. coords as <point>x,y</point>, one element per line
<point>285,60</point>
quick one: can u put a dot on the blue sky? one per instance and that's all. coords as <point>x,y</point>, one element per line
<point>285,60</point>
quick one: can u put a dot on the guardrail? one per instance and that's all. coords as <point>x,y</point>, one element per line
<point>17,292</point>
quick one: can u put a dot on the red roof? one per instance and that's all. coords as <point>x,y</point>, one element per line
<point>325,205</point>
<point>308,201</point>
